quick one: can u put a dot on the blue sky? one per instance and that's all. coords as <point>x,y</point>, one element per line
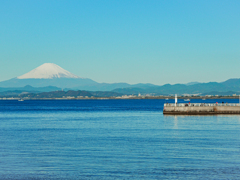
<point>159,42</point>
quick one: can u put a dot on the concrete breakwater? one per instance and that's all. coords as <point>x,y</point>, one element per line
<point>201,109</point>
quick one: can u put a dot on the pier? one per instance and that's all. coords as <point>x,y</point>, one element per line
<point>200,108</point>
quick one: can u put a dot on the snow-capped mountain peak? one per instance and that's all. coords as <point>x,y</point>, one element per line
<point>48,71</point>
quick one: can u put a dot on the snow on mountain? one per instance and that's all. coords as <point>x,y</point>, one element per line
<point>48,71</point>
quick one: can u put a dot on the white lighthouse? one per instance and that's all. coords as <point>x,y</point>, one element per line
<point>175,99</point>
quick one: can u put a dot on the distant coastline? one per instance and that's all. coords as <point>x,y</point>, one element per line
<point>126,98</point>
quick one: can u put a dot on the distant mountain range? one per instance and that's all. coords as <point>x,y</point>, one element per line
<point>29,88</point>
<point>231,85</point>
<point>26,89</point>
<point>50,77</point>
<point>50,74</point>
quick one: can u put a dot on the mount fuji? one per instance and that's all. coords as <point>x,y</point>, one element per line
<point>48,71</point>
<point>49,74</point>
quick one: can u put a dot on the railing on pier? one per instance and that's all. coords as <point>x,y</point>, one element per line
<point>199,104</point>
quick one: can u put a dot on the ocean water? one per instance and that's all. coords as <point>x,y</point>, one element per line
<point>115,139</point>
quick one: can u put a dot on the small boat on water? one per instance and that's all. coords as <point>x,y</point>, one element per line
<point>203,99</point>
<point>166,99</point>
<point>186,99</point>
<point>20,100</point>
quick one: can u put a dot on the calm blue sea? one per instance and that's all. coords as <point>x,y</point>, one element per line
<point>115,139</point>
